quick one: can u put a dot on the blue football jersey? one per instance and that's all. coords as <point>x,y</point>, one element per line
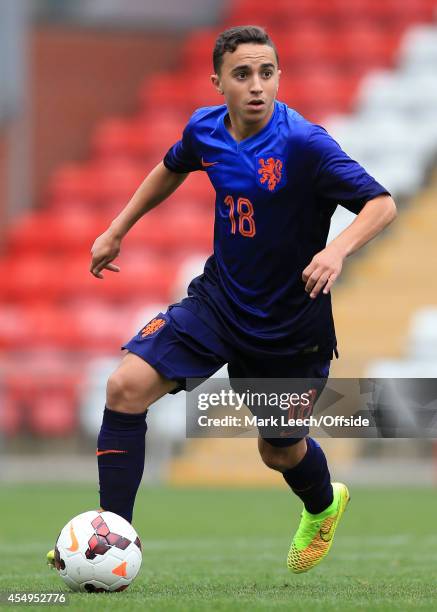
<point>275,194</point>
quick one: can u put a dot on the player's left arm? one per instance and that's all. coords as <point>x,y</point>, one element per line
<point>338,179</point>
<point>326,266</point>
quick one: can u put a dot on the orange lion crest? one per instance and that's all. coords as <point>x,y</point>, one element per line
<point>271,172</point>
<point>152,327</point>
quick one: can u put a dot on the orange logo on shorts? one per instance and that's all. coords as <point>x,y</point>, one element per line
<point>152,327</point>
<point>270,171</point>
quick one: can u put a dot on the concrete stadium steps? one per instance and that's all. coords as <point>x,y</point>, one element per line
<point>221,461</point>
<point>381,290</point>
<point>236,462</point>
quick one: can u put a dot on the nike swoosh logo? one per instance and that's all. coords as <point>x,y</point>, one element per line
<point>326,536</point>
<point>74,542</point>
<point>110,452</point>
<point>207,164</point>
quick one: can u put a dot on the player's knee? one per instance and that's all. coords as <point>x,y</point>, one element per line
<point>125,394</point>
<point>275,461</point>
<point>281,459</point>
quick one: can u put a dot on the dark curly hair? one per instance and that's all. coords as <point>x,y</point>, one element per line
<point>230,39</point>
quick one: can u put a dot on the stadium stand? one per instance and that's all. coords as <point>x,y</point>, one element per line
<point>422,342</point>
<point>420,360</point>
<point>48,298</point>
<point>396,272</point>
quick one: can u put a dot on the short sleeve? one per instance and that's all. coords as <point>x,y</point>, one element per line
<point>336,177</point>
<point>181,157</point>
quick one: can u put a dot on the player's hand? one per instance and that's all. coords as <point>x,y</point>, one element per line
<point>323,271</point>
<point>104,250</point>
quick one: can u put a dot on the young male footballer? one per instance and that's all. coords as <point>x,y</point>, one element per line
<point>262,304</point>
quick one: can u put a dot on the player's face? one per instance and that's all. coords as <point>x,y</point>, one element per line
<point>249,80</point>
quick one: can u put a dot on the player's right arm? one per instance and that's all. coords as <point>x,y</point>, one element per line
<point>156,187</point>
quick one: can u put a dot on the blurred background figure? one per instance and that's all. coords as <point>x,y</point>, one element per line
<point>92,94</point>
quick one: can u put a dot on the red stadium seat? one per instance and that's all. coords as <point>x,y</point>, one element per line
<point>15,329</point>
<point>257,15</point>
<point>162,133</point>
<point>303,45</point>
<point>100,325</point>
<point>12,404</point>
<point>10,415</point>
<point>42,389</point>
<point>119,179</point>
<point>76,182</point>
<point>43,324</point>
<point>184,91</point>
<point>363,47</point>
<point>393,12</point>
<point>40,398</point>
<point>270,15</point>
<point>339,13</point>
<point>52,327</point>
<point>82,324</point>
<point>147,276</point>
<point>138,138</point>
<point>50,232</point>
<point>285,13</point>
<point>53,411</point>
<point>120,137</point>
<point>415,11</point>
<point>318,93</point>
<point>197,51</point>
<point>97,181</point>
<point>164,90</point>
<point>31,277</point>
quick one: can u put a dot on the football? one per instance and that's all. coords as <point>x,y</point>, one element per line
<point>97,552</point>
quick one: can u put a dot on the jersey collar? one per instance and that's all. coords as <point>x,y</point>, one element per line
<point>246,142</point>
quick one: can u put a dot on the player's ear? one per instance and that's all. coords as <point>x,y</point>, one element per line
<point>215,80</point>
<point>279,77</point>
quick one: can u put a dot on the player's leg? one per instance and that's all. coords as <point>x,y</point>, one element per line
<point>304,468</point>
<point>161,357</point>
<point>173,347</point>
<point>135,385</point>
<point>307,474</point>
<point>299,458</point>
<point>131,389</point>
<point>302,463</point>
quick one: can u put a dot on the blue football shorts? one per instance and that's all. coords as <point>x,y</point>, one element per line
<point>181,346</point>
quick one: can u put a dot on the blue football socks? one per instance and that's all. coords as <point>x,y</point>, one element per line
<point>310,479</point>
<point>120,455</point>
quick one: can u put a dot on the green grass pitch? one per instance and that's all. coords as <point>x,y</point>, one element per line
<point>224,549</point>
